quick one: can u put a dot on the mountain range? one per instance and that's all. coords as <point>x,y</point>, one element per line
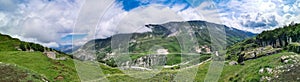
<point>163,35</point>
<point>269,56</point>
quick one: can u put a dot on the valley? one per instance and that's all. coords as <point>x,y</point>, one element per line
<point>261,57</point>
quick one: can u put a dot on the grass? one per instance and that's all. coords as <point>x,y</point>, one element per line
<point>249,71</point>
<point>237,73</point>
<point>13,73</point>
<point>34,65</point>
<point>8,45</point>
<point>38,63</point>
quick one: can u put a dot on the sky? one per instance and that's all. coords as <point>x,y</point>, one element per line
<point>54,23</point>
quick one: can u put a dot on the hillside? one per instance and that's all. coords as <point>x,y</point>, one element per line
<point>28,62</point>
<point>278,41</point>
<point>286,38</point>
<point>257,59</point>
<point>163,36</point>
<point>260,69</point>
<point>265,57</point>
<point>271,61</point>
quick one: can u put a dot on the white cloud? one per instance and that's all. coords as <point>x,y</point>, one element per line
<point>97,18</point>
<point>39,29</point>
<point>50,44</point>
<point>135,20</point>
<point>3,20</point>
<point>44,21</point>
<point>258,15</point>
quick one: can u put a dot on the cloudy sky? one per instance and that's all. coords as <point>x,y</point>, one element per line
<point>54,23</point>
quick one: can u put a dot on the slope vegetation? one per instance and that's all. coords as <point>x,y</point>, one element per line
<point>32,64</point>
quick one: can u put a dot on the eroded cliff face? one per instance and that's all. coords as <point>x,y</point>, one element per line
<point>148,62</point>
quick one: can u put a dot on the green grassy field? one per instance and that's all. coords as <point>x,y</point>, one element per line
<point>248,72</point>
<point>40,64</point>
<point>14,73</point>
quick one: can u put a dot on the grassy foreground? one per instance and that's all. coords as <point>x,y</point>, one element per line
<point>248,72</point>
<point>37,64</point>
<point>42,65</point>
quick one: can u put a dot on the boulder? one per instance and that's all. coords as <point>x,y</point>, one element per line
<point>283,58</point>
<point>233,63</point>
<point>269,70</point>
<point>261,70</point>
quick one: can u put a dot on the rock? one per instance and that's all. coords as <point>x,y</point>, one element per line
<point>286,61</point>
<point>264,78</point>
<point>261,70</point>
<point>270,71</point>
<point>162,51</point>
<point>268,78</point>
<point>253,55</point>
<point>145,63</point>
<point>51,55</point>
<point>44,80</point>
<point>295,61</point>
<point>59,77</point>
<point>233,63</point>
<point>61,58</point>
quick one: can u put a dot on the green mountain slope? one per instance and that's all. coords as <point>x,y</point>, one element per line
<point>273,61</point>
<point>32,64</point>
<point>250,72</point>
<point>265,57</point>
<point>268,43</point>
<point>165,36</point>
<point>12,73</point>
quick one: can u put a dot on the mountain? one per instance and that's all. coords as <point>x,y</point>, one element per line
<point>30,62</point>
<point>265,57</point>
<point>273,41</point>
<point>164,36</point>
<point>67,48</point>
<point>270,56</point>
<point>281,46</point>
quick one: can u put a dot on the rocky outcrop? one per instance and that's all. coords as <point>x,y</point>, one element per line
<point>145,63</point>
<point>52,55</point>
<point>259,52</point>
<point>290,59</point>
<point>286,72</point>
<point>233,63</point>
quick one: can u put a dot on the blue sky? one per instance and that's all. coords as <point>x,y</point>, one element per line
<point>131,4</point>
<point>53,22</point>
<point>258,19</point>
